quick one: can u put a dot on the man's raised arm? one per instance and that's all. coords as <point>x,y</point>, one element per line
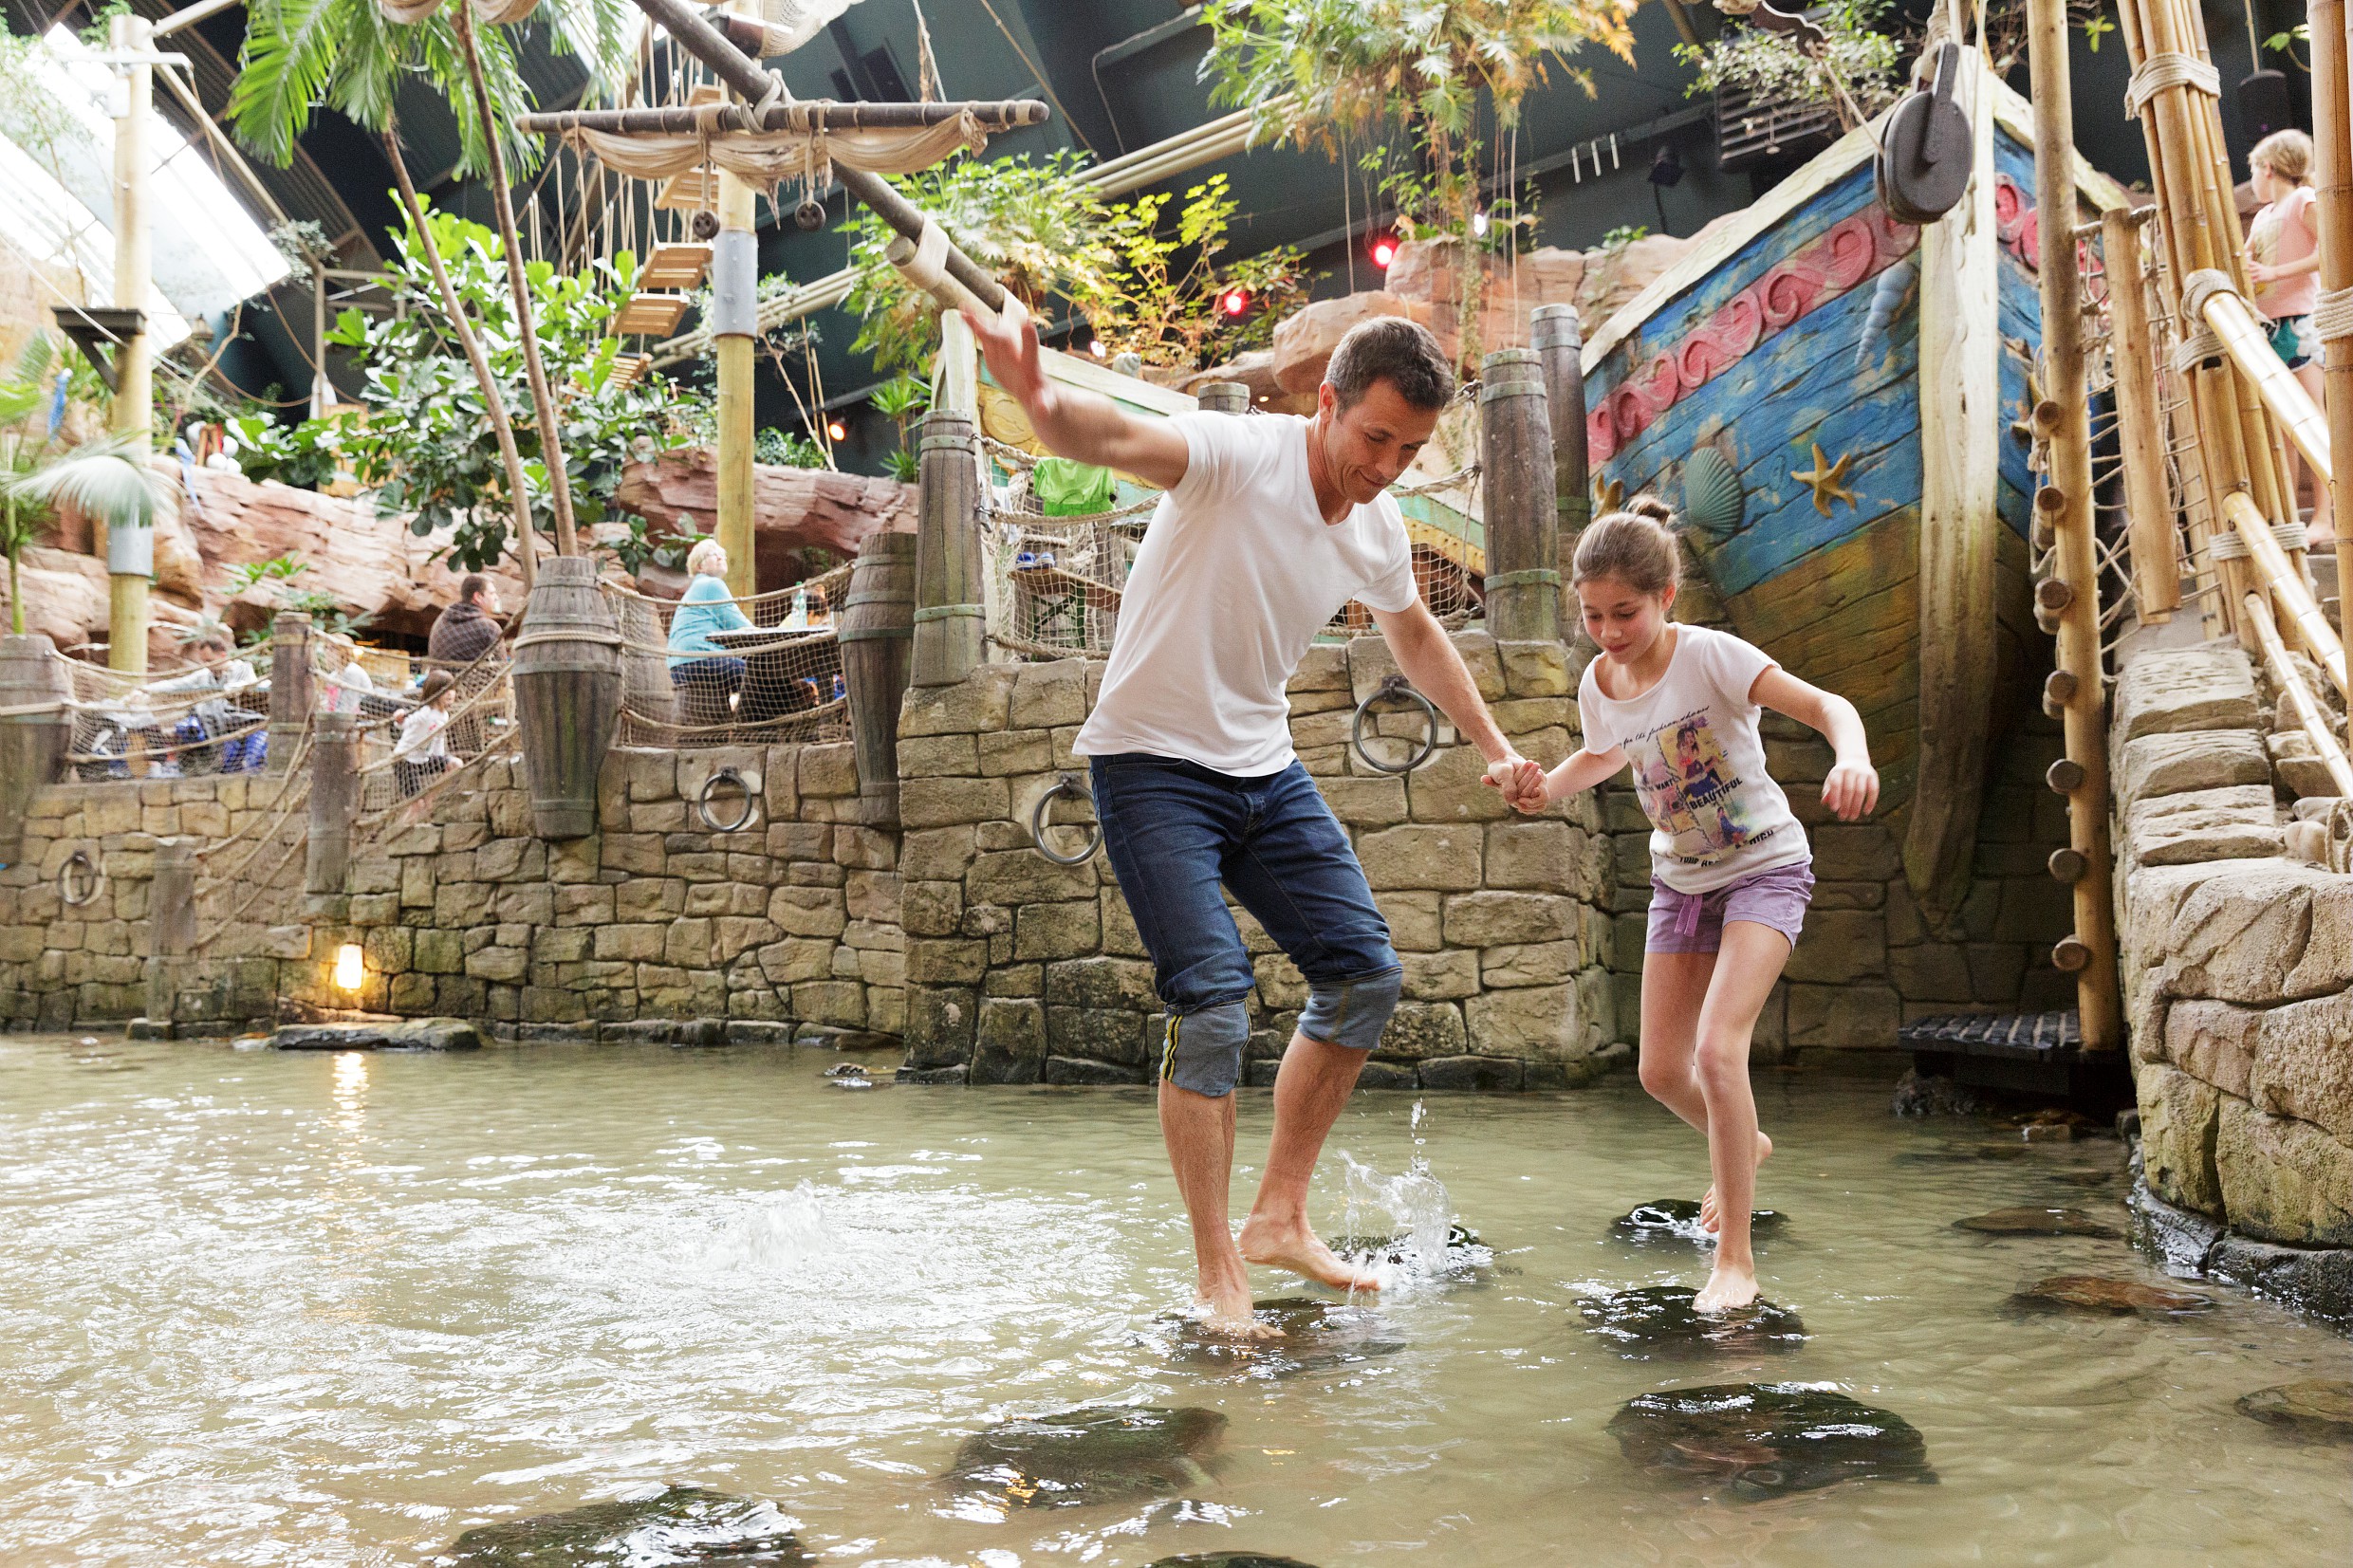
<point>1069,423</point>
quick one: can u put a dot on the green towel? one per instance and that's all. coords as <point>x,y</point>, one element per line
<point>1065,489</point>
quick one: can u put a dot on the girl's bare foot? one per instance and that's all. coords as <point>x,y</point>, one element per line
<point>1730,1288</point>
<point>1707,1205</point>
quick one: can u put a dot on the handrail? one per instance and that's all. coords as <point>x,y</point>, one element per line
<point>2287,585</point>
<point>2212,299</point>
<point>2324,744</point>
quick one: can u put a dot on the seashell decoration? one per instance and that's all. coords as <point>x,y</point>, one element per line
<point>1714,502</point>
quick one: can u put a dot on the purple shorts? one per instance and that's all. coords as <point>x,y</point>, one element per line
<point>1694,922</point>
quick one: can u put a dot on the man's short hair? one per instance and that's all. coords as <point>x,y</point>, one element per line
<point>1393,349</point>
<point>471,586</point>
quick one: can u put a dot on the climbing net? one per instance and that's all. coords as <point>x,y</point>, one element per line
<point>409,745</point>
<point>697,675</point>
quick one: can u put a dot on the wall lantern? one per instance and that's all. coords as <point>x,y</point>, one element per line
<point>350,968</point>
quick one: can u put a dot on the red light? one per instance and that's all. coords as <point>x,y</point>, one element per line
<point>1384,250</point>
<point>837,429</point>
<point>1235,302</point>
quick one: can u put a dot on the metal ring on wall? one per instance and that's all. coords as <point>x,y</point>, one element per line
<point>1065,784</point>
<point>702,803</point>
<point>1395,686</point>
<point>65,879</point>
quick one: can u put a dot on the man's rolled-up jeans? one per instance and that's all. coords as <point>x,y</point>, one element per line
<point>1175,831</point>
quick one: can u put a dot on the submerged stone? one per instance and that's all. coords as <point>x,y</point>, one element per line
<point>1465,1254</point>
<point>1230,1559</point>
<point>1677,1219</point>
<point>2318,1406</point>
<point>680,1525</point>
<point>1762,1440</point>
<point>1312,1335</point>
<point>1969,1153</point>
<point>2038,1221</point>
<point>391,1034</point>
<point>2092,1293</point>
<point>1097,1453</point>
<point>1659,1320</point>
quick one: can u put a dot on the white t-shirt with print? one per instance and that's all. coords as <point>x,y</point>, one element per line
<point>1236,575</point>
<point>1716,815</point>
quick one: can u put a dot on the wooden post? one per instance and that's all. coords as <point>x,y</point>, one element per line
<point>131,552</point>
<point>2140,426</point>
<point>2332,142</point>
<point>2075,561</point>
<point>171,922</point>
<point>1224,397</point>
<point>334,800</point>
<point>1558,337</point>
<point>1520,482</point>
<point>290,687</point>
<point>950,627</point>
<point>734,288</point>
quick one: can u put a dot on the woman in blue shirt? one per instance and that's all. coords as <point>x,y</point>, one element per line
<point>707,675</point>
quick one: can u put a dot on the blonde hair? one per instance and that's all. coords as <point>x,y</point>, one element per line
<point>1634,545</point>
<point>2287,154</point>
<point>704,550</point>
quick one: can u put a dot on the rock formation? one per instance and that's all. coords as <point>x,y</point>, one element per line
<point>677,493</point>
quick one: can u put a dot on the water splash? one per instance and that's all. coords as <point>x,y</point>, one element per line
<point>1396,1226</point>
<point>781,1234</point>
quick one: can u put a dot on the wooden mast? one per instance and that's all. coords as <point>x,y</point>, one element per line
<point>2066,423</point>
<point>131,552</point>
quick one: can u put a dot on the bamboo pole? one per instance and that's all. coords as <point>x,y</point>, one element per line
<point>2332,139</point>
<point>2141,432</point>
<point>2210,298</point>
<point>1007,114</point>
<point>2076,558</point>
<point>734,289</point>
<point>2309,713</point>
<point>131,552</point>
<point>2277,573</point>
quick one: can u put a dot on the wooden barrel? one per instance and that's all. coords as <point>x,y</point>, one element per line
<point>645,689</point>
<point>32,745</point>
<point>567,695</point>
<point>877,644</point>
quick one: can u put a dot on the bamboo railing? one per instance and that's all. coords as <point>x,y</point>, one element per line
<point>2291,681</point>
<point>2286,583</point>
<point>2210,296</point>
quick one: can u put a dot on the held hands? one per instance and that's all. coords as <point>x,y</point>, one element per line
<point>2262,272</point>
<point>1852,790</point>
<point>1520,781</point>
<point>1009,341</point>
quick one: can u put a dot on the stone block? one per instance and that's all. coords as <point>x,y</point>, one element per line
<point>1325,668</point>
<point>1120,939</point>
<point>435,951</point>
<point>1935,972</point>
<point>1047,695</point>
<point>2179,762</point>
<point>1103,1034</point>
<point>979,704</point>
<point>1472,1074</point>
<point>1102,982</point>
<point>387,949</point>
<point>931,909</point>
<point>1015,751</point>
<point>2303,1063</point>
<point>1536,669</point>
<point>1840,946</point>
<point>1505,919</point>
<point>1414,920</point>
<point>939,756</point>
<point>795,959</point>
<point>2239,822</point>
<point>2263,931</point>
<point>1415,857</point>
<point>1530,964</point>
<point>1857,1017</point>
<point>1365,803</point>
<point>874,894</point>
<point>947,961</point>
<point>688,944</point>
<point>501,964</point>
<point>1421,1029</point>
<point>2283,1180</point>
<point>649,774</point>
<point>630,941</point>
<point>1024,876</point>
<point>943,803</point>
<point>2208,688</point>
<point>1439,976</point>
<point>937,854</point>
<point>1451,787</point>
<point>809,912</point>
<point>1855,852</point>
<point>1543,854</point>
<point>634,854</point>
<point>1057,931</point>
<point>2213,1041</point>
<point>560,944</point>
<point>291,942</point>
<point>837,1001</point>
<point>782,796</point>
<point>1280,984</point>
<point>1531,1020</point>
<point>2032,909</point>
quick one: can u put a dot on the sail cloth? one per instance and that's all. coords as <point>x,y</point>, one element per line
<point>793,23</point>
<point>770,158</point>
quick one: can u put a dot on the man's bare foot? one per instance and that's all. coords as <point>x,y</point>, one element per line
<point>1227,1311</point>
<point>1707,1204</point>
<point>1303,1252</point>
<point>1728,1289</point>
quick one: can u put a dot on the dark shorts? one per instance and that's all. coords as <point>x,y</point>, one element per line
<point>1694,922</point>
<point>1179,833</point>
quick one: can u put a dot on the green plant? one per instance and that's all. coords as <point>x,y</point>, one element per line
<point>2284,43</point>
<point>107,481</point>
<point>305,455</point>
<point>787,448</point>
<point>1860,58</point>
<point>902,399</point>
<point>326,611</point>
<point>1624,234</point>
<point>1164,300</point>
<point>428,442</point>
<point>636,549</point>
<point>278,568</point>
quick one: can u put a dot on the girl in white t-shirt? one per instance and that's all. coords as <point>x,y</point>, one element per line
<point>1729,864</point>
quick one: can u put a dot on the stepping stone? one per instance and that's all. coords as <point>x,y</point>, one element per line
<point>410,1034</point>
<point>1097,1453</point>
<point>1658,1321</point>
<point>2038,1221</point>
<point>1313,1335</point>
<point>2318,1406</point>
<point>1761,1440</point>
<point>1230,1559</point>
<point>677,1525</point>
<point>1980,1153</point>
<point>1677,1219</point>
<point>2091,1293</point>
<point>1466,1254</point>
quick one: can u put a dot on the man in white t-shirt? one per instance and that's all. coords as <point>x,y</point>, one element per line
<point>1269,527</point>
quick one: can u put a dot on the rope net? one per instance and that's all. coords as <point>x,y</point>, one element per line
<point>720,671</point>
<point>408,741</point>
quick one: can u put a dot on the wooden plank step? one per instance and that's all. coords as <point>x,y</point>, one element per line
<point>2038,1036</point>
<point>629,369</point>
<point>678,264</point>
<point>696,191</point>
<point>654,314</point>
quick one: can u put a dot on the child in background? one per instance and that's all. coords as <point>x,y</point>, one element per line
<point>422,753</point>
<point>343,685</point>
<point>2284,260</point>
<point>1728,884</point>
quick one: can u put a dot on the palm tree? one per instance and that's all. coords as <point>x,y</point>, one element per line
<point>300,55</point>
<point>108,481</point>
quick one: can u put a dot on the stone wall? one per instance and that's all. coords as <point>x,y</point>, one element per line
<point>791,919</point>
<point>2237,965</point>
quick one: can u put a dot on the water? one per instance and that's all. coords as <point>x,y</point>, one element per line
<point>263,1309</point>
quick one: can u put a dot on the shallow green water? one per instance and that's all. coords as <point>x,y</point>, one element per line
<point>335,1309</point>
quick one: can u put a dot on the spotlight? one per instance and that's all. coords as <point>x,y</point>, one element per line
<point>350,968</point>
<point>1097,349</point>
<point>1666,168</point>
<point>837,429</point>
<point>1478,224</point>
<point>1384,250</point>
<point>1234,301</point>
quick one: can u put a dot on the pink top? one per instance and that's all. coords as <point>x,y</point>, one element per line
<point>2283,233</point>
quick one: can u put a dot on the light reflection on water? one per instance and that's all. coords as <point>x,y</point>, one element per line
<point>265,1309</point>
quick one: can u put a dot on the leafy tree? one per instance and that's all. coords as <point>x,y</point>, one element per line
<point>107,481</point>
<point>1165,303</point>
<point>1860,58</point>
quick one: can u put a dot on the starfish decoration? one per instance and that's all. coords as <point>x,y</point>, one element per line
<point>1608,494</point>
<point>2022,427</point>
<point>1828,480</point>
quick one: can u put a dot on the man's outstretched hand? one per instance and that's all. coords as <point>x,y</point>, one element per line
<point>1009,341</point>
<point>1520,781</point>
